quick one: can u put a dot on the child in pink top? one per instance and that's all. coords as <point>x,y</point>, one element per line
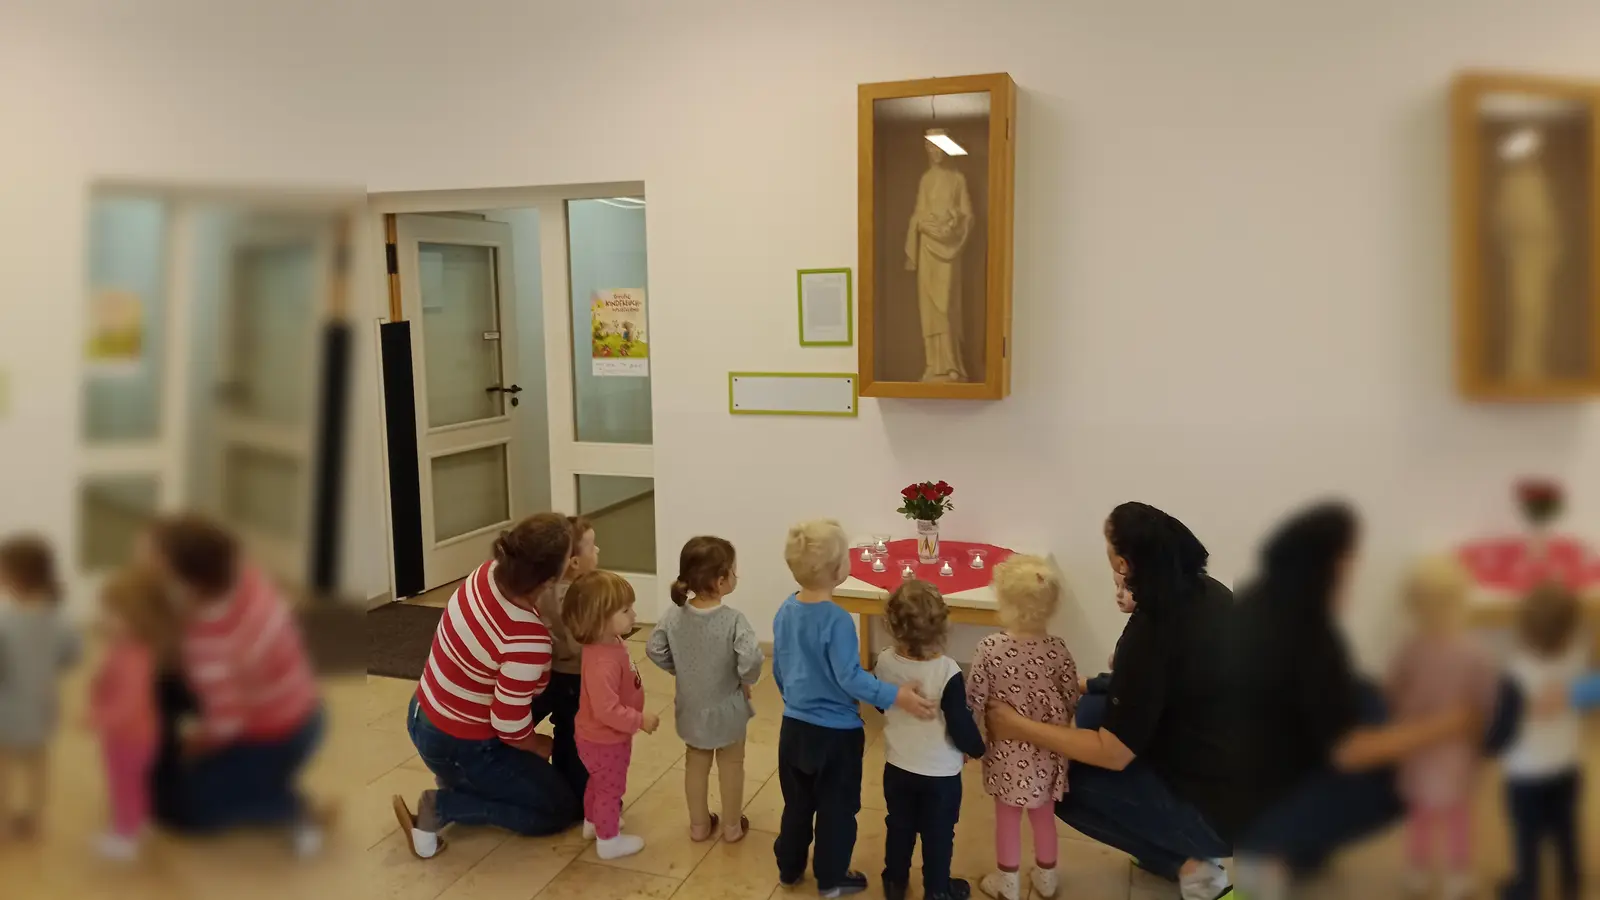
<point>122,707</point>
<point>598,613</point>
<point>1032,672</point>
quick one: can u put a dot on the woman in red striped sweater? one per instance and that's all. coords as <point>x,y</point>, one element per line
<point>242,656</point>
<point>471,718</point>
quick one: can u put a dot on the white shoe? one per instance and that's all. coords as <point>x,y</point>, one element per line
<point>306,840</point>
<point>117,847</point>
<point>588,828</point>
<point>1208,881</point>
<point>1001,885</point>
<point>1044,882</point>
<point>619,846</point>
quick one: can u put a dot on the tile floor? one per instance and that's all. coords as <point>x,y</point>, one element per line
<point>369,758</point>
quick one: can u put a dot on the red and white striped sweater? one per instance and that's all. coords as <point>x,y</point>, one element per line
<point>490,658</point>
<point>247,665</point>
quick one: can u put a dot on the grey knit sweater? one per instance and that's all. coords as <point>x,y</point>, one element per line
<point>712,652</point>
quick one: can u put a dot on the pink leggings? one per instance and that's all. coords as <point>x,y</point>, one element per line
<point>127,781</point>
<point>1427,826</point>
<point>608,781</point>
<point>1008,835</point>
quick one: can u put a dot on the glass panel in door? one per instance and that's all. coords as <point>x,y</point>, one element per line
<point>461,333</point>
<point>622,510</point>
<point>273,311</point>
<point>469,491</point>
<point>126,321</point>
<point>606,244</point>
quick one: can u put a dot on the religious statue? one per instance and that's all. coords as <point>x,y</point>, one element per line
<point>1527,227</point>
<point>935,239</point>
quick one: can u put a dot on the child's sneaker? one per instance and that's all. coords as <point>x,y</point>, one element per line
<point>1001,885</point>
<point>588,828</point>
<point>958,890</point>
<point>619,846</point>
<point>117,847</point>
<point>1044,882</point>
<point>894,890</point>
<point>852,883</point>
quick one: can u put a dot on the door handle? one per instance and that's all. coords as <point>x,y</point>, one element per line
<point>514,389</point>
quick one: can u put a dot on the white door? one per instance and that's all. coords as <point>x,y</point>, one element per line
<point>275,304</point>
<point>458,291</point>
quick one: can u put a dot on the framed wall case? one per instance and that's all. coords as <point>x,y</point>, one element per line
<point>936,176</point>
<point>1527,236</point>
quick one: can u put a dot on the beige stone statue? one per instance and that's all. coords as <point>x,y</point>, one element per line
<point>935,239</point>
<point>1526,225</point>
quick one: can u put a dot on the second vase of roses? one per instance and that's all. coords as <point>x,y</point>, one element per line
<point>926,502</point>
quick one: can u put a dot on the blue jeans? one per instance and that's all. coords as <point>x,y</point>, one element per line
<point>245,783</point>
<point>489,782</point>
<point>1135,811</point>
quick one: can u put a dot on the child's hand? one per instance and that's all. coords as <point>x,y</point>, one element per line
<point>745,689</point>
<point>649,723</point>
<point>1083,686</point>
<point>911,700</point>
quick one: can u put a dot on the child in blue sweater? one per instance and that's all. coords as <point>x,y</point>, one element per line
<point>816,663</point>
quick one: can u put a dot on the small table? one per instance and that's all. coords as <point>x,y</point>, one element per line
<point>1504,569</point>
<point>973,607</point>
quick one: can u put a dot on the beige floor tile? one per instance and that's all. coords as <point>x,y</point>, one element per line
<point>391,872</point>
<point>764,809</point>
<point>742,871</point>
<point>385,695</point>
<point>586,881</point>
<point>517,869</point>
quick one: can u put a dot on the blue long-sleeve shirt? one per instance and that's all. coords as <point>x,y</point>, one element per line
<point>816,662</point>
<point>1585,692</point>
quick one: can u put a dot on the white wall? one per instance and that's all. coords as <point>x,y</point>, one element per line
<point>1231,238</point>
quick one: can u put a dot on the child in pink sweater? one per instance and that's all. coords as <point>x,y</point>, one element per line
<point>122,707</point>
<point>598,613</point>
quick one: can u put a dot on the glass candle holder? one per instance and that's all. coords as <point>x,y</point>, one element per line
<point>908,569</point>
<point>880,543</point>
<point>866,551</point>
<point>878,565</point>
<point>945,569</point>
<point>976,558</point>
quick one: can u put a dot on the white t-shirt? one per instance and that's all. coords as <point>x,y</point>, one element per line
<point>1545,746</point>
<point>919,746</point>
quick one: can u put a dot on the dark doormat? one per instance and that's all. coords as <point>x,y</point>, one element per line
<point>399,636</point>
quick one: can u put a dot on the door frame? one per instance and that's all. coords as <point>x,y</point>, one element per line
<point>569,457</point>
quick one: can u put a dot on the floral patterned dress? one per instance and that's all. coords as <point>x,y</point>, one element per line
<point>1037,677</point>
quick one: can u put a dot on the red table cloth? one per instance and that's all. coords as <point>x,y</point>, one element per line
<point>963,578</point>
<point>1513,564</point>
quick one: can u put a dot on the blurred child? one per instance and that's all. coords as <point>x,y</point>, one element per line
<point>1542,764</point>
<point>1439,669</point>
<point>559,702</point>
<point>922,772</point>
<point>36,646</point>
<point>816,663</point>
<point>1033,672</point>
<point>598,613</point>
<point>139,628</point>
<point>713,651</point>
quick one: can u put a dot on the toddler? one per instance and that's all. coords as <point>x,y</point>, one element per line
<point>36,646</point>
<point>598,613</point>
<point>713,651</point>
<point>559,702</point>
<point>1033,673</point>
<point>138,628</point>
<point>816,663</point>
<point>1542,764</point>
<point>1440,668</point>
<point>922,772</point>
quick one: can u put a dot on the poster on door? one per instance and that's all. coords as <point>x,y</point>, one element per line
<point>617,325</point>
<point>116,333</point>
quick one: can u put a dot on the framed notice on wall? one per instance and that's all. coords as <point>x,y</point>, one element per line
<point>621,345</point>
<point>116,332</point>
<point>826,316</point>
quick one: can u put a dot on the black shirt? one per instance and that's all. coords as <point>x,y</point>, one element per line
<point>1170,699</point>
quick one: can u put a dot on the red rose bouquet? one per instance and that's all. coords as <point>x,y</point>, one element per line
<point>927,501</point>
<point>1540,499</point>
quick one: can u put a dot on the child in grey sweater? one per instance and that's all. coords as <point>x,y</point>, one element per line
<point>713,651</point>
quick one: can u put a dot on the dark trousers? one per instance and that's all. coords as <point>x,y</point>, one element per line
<point>244,783</point>
<point>1544,808</point>
<point>174,700</point>
<point>920,805</point>
<point>819,770</point>
<point>559,704</point>
<point>1135,811</point>
<point>489,782</point>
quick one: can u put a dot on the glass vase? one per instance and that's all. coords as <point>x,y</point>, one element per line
<point>927,541</point>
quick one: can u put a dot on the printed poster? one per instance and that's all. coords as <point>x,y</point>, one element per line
<point>617,324</point>
<point>116,332</point>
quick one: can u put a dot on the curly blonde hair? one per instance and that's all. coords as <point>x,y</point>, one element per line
<point>1437,587</point>
<point>590,603</point>
<point>917,618</point>
<point>818,554</point>
<point>1028,589</point>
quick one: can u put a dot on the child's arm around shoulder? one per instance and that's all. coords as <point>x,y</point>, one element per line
<point>979,685</point>
<point>1067,677</point>
<point>844,658</point>
<point>659,649</point>
<point>959,725</point>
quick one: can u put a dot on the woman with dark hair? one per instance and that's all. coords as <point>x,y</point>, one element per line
<point>1152,773</point>
<point>1313,742</point>
<point>471,718</point>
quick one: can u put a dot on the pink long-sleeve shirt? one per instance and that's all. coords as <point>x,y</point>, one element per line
<point>122,702</point>
<point>611,705</point>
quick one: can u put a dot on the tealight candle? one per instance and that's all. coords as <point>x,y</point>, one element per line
<point>977,559</point>
<point>907,572</point>
<point>877,564</point>
<point>945,569</point>
<point>866,552</point>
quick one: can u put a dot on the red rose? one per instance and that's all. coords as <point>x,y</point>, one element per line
<point>944,489</point>
<point>929,492</point>
<point>910,493</point>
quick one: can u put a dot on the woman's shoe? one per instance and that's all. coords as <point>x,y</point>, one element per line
<point>423,844</point>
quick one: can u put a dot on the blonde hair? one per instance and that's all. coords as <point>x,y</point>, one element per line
<point>1028,589</point>
<point>818,554</point>
<point>590,603</point>
<point>1437,586</point>
<point>137,597</point>
<point>917,618</point>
